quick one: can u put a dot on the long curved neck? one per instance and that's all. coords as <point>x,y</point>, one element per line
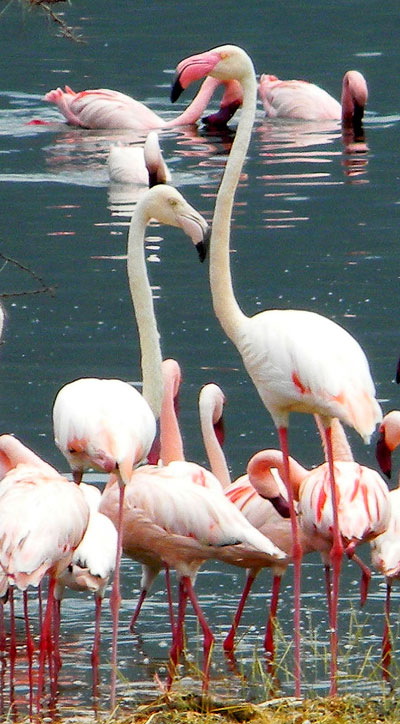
<point>192,113</point>
<point>149,338</point>
<point>274,459</point>
<point>215,453</point>
<point>225,305</point>
<point>170,434</point>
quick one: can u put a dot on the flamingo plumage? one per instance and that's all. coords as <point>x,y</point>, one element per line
<point>298,360</point>
<point>138,164</point>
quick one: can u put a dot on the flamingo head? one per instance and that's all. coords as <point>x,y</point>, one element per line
<point>389,439</point>
<point>231,101</point>
<point>227,62</point>
<point>354,97</point>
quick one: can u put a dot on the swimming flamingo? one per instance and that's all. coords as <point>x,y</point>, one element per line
<point>299,99</point>
<point>91,566</point>
<point>104,108</point>
<point>107,424</point>
<point>385,550</point>
<point>298,360</point>
<point>138,164</point>
<point>43,518</point>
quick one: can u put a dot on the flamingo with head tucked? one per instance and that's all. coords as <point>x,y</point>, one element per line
<point>107,424</point>
<point>104,108</point>
<point>307,101</point>
<point>138,164</point>
<point>298,360</point>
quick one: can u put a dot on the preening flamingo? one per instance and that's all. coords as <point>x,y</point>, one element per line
<point>138,164</point>
<point>92,565</point>
<point>107,424</point>
<point>298,360</point>
<point>299,99</point>
<point>104,108</point>
<point>385,550</point>
<point>43,518</point>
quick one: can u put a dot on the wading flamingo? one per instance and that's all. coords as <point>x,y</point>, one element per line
<point>104,108</point>
<point>385,550</point>
<point>43,518</point>
<point>107,424</point>
<point>138,164</point>
<point>298,360</point>
<point>91,566</point>
<point>299,99</point>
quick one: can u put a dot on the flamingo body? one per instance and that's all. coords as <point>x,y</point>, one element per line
<point>137,164</point>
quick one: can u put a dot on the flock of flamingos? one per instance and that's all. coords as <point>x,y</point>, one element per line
<point>157,508</point>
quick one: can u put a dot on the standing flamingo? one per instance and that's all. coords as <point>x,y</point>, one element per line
<point>298,360</point>
<point>91,566</point>
<point>385,550</point>
<point>104,108</point>
<point>43,518</point>
<point>138,164</point>
<point>299,99</point>
<point>107,424</point>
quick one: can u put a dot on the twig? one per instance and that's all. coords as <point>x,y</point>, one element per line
<point>44,288</point>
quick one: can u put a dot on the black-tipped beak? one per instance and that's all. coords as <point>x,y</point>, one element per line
<point>281,505</point>
<point>384,456</point>
<point>203,246</point>
<point>176,89</point>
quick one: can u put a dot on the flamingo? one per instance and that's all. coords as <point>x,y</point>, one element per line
<point>43,518</point>
<point>137,164</point>
<point>91,566</point>
<point>107,424</point>
<point>300,99</point>
<point>385,550</point>
<point>298,360</point>
<point>104,108</point>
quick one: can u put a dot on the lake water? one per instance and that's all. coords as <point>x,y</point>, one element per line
<point>315,227</point>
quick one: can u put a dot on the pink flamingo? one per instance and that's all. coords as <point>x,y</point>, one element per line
<point>104,108</point>
<point>43,518</point>
<point>291,371</point>
<point>299,99</point>
<point>107,424</point>
<point>91,566</point>
<point>385,550</point>
<point>138,164</point>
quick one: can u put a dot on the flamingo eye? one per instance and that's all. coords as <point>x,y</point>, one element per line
<point>173,202</point>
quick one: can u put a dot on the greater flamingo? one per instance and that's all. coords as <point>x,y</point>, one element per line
<point>385,550</point>
<point>104,108</point>
<point>43,518</point>
<point>138,164</point>
<point>107,424</point>
<point>298,360</point>
<point>92,564</point>
<point>307,101</point>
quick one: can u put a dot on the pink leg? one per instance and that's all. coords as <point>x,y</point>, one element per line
<point>13,645</point>
<point>296,555</point>
<point>56,635</point>
<point>177,642</point>
<point>135,616</point>
<point>96,645</point>
<point>208,638</point>
<point>328,590</point>
<point>336,556</point>
<point>45,643</point>
<point>115,598</point>
<point>365,576</point>
<point>29,651</point>
<point>386,642</point>
<point>229,641</point>
<point>170,600</point>
<point>269,644</point>
<point>2,656</point>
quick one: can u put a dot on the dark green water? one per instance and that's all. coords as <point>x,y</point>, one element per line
<point>315,227</point>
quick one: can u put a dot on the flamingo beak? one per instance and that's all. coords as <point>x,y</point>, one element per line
<point>384,455</point>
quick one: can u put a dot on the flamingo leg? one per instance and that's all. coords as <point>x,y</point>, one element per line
<point>229,640</point>
<point>135,615</point>
<point>328,590</point>
<point>56,635</point>
<point>13,646</point>
<point>269,644</point>
<point>2,655</point>
<point>208,637</point>
<point>386,640</point>
<point>170,599</point>
<point>96,645</point>
<point>29,650</point>
<point>45,642</point>
<point>177,642</point>
<point>115,598</point>
<point>336,556</point>
<point>365,576</point>
<point>296,556</point>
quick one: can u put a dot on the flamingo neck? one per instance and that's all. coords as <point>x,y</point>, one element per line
<point>192,113</point>
<point>259,473</point>
<point>215,453</point>
<point>170,434</point>
<point>340,445</point>
<point>225,305</point>
<point>139,285</point>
